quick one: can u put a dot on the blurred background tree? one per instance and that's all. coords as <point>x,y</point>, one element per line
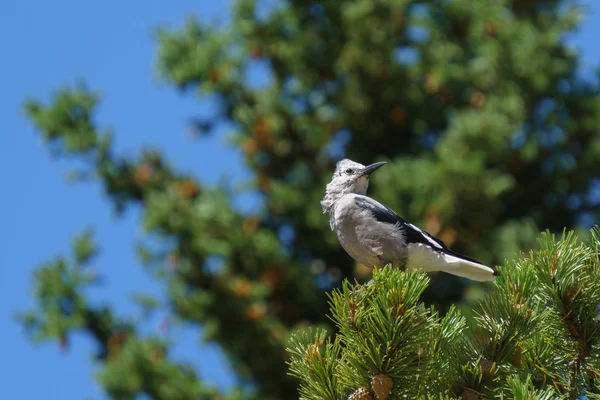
<point>490,133</point>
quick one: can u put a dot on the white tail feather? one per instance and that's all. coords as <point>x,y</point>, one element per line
<point>422,256</point>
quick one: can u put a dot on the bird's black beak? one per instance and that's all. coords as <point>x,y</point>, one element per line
<point>370,168</point>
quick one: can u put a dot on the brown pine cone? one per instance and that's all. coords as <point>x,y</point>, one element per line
<point>382,385</point>
<point>468,394</point>
<point>360,394</point>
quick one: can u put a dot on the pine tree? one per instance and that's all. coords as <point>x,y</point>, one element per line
<point>536,335</point>
<point>490,133</point>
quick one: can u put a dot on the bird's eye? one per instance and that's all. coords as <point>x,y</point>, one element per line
<point>349,171</point>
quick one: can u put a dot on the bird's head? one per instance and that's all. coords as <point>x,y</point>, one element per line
<point>349,177</point>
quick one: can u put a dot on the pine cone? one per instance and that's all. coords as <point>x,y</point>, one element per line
<point>488,368</point>
<point>382,385</point>
<point>469,395</point>
<point>360,394</point>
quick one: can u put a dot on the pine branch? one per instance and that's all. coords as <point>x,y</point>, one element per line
<point>534,335</point>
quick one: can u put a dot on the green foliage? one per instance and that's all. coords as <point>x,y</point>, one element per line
<point>400,336</point>
<point>69,120</point>
<point>314,358</point>
<point>525,390</point>
<point>59,283</point>
<point>134,364</point>
<point>536,335</point>
<point>490,135</point>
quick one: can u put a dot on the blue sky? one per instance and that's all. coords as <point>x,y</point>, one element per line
<point>108,44</point>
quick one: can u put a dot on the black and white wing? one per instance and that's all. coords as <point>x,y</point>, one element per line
<point>425,250</point>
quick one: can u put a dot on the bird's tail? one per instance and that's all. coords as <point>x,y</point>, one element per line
<point>457,264</point>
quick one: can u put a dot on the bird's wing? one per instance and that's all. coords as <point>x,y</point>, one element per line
<point>414,235</point>
<point>385,214</point>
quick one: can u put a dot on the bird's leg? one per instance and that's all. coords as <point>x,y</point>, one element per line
<point>363,286</point>
<point>399,264</point>
<point>382,262</point>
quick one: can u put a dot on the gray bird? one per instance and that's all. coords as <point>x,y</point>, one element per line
<point>374,235</point>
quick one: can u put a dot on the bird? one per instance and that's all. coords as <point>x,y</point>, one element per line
<point>375,236</point>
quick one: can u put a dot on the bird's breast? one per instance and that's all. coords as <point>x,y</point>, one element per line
<point>365,239</point>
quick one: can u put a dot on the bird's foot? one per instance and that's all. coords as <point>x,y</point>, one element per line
<point>361,287</point>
